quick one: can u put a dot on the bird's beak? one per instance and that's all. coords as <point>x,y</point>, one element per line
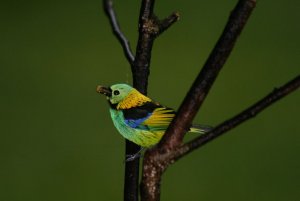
<point>104,90</point>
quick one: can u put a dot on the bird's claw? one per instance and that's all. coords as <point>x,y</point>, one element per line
<point>132,157</point>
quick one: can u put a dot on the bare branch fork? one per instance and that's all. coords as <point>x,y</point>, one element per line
<point>159,158</point>
<point>150,27</point>
<point>170,149</point>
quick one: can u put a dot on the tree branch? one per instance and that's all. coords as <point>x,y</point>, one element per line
<point>201,86</point>
<point>110,13</point>
<point>140,68</point>
<point>131,179</point>
<point>250,112</point>
<point>149,28</point>
<point>157,159</point>
<point>156,162</point>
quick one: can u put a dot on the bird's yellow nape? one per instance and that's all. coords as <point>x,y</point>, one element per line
<point>133,99</point>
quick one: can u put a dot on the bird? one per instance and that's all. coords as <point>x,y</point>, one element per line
<point>138,118</point>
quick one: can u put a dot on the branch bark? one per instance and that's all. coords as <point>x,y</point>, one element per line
<point>149,28</point>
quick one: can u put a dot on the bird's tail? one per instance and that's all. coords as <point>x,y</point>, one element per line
<point>198,128</point>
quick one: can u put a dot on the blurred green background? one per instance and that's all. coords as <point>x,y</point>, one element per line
<point>57,141</point>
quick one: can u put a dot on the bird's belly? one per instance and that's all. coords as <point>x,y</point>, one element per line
<point>144,138</point>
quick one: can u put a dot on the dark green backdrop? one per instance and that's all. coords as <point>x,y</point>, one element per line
<point>57,142</point>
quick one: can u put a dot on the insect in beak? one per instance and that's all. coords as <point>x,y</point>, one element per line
<point>104,90</point>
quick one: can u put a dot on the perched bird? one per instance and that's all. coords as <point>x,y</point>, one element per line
<point>137,117</point>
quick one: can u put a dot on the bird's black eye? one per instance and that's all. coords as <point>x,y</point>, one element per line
<point>116,92</point>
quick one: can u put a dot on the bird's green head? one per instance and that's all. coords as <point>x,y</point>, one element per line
<point>115,93</point>
<point>123,96</point>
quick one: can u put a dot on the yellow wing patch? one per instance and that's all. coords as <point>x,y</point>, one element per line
<point>161,117</point>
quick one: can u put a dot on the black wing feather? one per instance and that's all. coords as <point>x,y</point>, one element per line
<point>140,111</point>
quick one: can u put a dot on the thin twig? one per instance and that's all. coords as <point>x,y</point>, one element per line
<point>109,11</point>
<point>166,23</point>
<point>204,81</point>
<point>250,112</point>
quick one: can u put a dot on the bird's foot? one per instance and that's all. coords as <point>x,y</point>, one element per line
<point>132,157</point>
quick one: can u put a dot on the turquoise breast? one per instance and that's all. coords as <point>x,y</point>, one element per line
<point>141,137</point>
